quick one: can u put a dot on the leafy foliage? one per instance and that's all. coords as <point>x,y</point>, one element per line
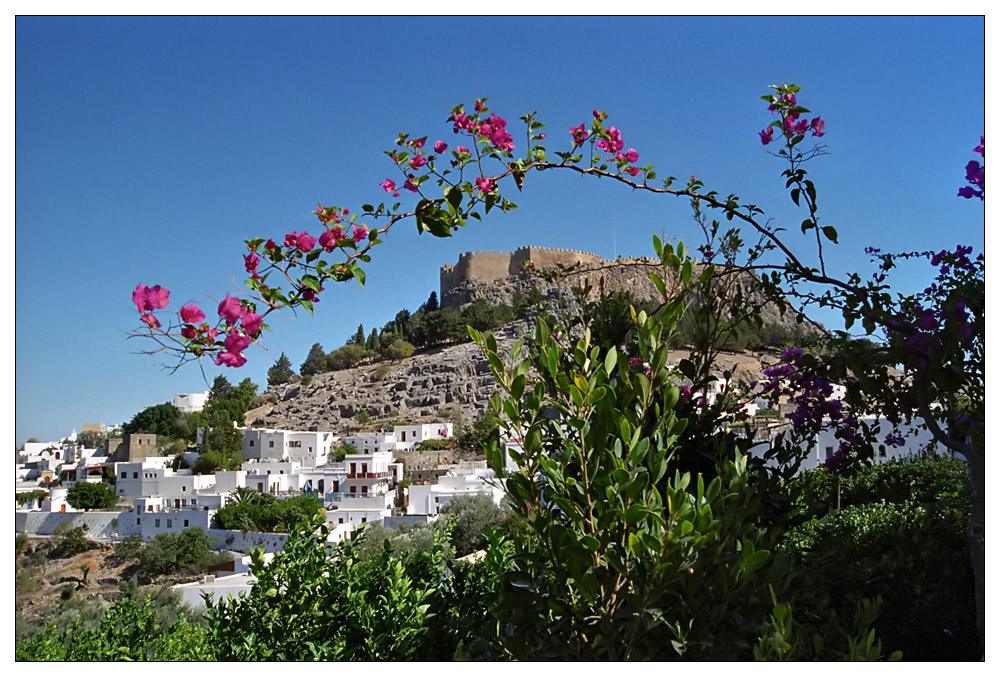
<point>256,511</point>
<point>186,552</point>
<point>471,513</point>
<point>346,356</point>
<point>160,419</point>
<point>91,496</point>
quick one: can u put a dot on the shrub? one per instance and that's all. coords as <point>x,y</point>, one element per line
<point>363,418</point>
<point>130,547</point>
<point>177,553</point>
<point>72,542</point>
<point>471,515</point>
<point>381,372</point>
<point>91,496</point>
<point>306,379</point>
<point>345,357</point>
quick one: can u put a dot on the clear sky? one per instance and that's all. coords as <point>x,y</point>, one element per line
<point>147,149</point>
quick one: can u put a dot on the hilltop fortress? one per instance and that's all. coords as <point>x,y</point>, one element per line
<point>486,266</point>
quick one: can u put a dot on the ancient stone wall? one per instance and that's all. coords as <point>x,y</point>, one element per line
<point>489,266</point>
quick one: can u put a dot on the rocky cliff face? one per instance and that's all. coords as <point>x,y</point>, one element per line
<point>424,386</point>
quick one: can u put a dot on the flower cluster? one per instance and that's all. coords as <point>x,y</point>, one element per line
<point>238,339</point>
<point>610,141</point>
<point>785,104</point>
<point>812,394</point>
<point>975,174</point>
<point>148,299</point>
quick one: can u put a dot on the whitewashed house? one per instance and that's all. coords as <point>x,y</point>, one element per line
<point>402,437</point>
<point>188,403</point>
<point>307,448</point>
<point>428,499</point>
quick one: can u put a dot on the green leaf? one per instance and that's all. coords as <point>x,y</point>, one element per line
<point>453,195</point>
<point>610,360</point>
<point>597,394</point>
<point>634,514</point>
<point>831,233</point>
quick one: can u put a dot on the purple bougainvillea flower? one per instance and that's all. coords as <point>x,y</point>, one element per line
<point>418,161</point>
<point>632,155</point>
<point>767,135</point>
<point>189,331</point>
<point>305,242</point>
<point>360,233</point>
<point>251,261</point>
<point>440,146</point>
<point>388,185</point>
<point>150,320</point>
<point>817,126</point>
<point>327,240</point>
<point>485,185</point>
<point>981,148</point>
<point>192,314</point>
<point>251,322</point>
<point>230,309</point>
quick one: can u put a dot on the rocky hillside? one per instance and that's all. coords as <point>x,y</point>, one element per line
<point>436,383</point>
<point>423,386</point>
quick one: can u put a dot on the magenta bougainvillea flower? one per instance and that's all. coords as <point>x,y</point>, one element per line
<point>579,134</point>
<point>251,261</point>
<point>817,126</point>
<point>230,309</point>
<point>485,185</point>
<point>613,143</point>
<point>360,233</point>
<point>251,322</point>
<point>409,185</point>
<point>767,135</point>
<point>150,320</point>
<point>189,331</point>
<point>440,146</point>
<point>305,242</point>
<point>150,298</point>
<point>388,185</point>
<point>327,241</point>
<point>418,161</point>
<point>192,314</point>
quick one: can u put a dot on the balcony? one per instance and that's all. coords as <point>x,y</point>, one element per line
<point>369,475</point>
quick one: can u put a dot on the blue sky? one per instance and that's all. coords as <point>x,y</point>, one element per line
<point>149,148</point>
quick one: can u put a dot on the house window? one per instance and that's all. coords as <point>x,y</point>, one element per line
<point>124,474</point>
<point>270,443</point>
<point>183,488</point>
<point>135,475</point>
<point>251,443</point>
<point>881,452</point>
<point>157,523</point>
<point>829,452</point>
<point>354,489</point>
<point>403,437</point>
<point>138,520</point>
<point>170,524</point>
<point>185,523</point>
<point>341,521</point>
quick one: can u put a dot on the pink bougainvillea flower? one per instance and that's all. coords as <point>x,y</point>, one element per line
<point>360,233</point>
<point>338,234</point>
<point>418,161</point>
<point>462,150</point>
<point>210,334</point>
<point>613,143</point>
<point>485,185</point>
<point>309,295</point>
<point>304,242</point>
<point>817,126</point>
<point>270,244</point>
<point>251,322</point>
<point>579,134</point>
<point>634,171</point>
<point>327,241</point>
<point>139,297</point>
<point>419,143</point>
<point>290,239</point>
<point>388,185</point>
<point>251,261</point>
<point>479,105</point>
<point>767,135</point>
<point>632,155</point>
<point>192,314</point>
<point>189,331</point>
<point>150,298</point>
<point>440,147</point>
<point>981,148</point>
<point>150,320</point>
<point>230,309</point>
<point>409,185</point>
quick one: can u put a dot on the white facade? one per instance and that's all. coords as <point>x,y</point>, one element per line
<point>428,499</point>
<point>187,403</point>
<point>308,449</point>
<point>402,437</point>
<point>152,477</point>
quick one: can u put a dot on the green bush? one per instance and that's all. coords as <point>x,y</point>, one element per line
<point>91,496</point>
<point>914,555</point>
<point>130,547</point>
<point>72,542</point>
<point>471,515</point>
<point>187,552</point>
<point>263,512</point>
<point>306,379</point>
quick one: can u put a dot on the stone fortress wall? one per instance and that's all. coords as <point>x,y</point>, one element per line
<point>489,266</point>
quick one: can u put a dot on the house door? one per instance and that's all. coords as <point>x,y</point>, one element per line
<point>321,486</point>
<point>177,503</point>
<point>260,486</point>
